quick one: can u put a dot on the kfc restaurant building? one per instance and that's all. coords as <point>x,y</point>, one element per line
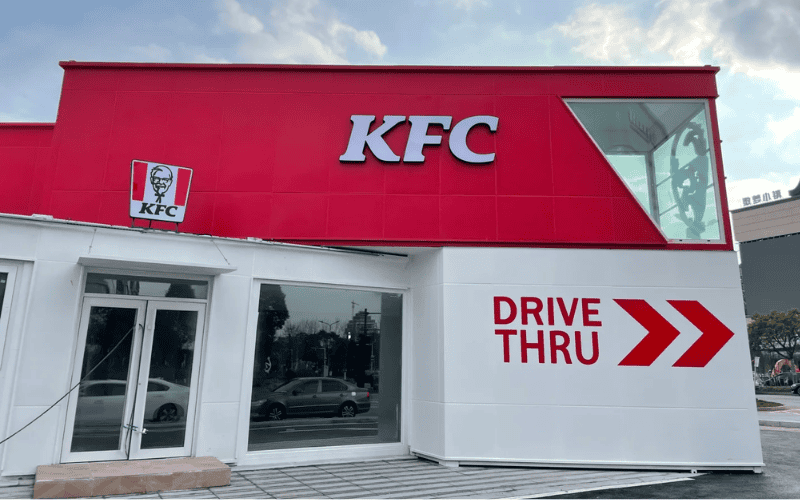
<point>297,264</point>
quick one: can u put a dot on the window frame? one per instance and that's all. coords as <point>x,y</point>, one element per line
<point>251,457</point>
<point>8,301</point>
<point>713,167</point>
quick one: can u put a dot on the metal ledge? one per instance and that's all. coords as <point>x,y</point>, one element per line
<point>155,265</point>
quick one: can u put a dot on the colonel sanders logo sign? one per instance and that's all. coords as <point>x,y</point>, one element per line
<point>158,191</point>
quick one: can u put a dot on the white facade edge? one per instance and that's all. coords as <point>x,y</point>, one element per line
<point>587,464</point>
<point>321,455</point>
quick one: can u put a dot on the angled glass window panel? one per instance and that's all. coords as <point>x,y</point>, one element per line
<point>661,151</point>
<point>686,183</point>
<point>633,169</point>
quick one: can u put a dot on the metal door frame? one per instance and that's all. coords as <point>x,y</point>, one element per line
<point>135,400</point>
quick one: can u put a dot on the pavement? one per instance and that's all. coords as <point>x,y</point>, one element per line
<point>404,477</point>
<point>780,443</point>
<point>409,477</point>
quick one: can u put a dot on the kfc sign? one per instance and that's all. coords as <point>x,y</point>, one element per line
<point>159,191</point>
<point>417,138</point>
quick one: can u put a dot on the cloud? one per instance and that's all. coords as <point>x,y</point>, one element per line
<point>151,53</point>
<point>786,127</point>
<point>206,59</point>
<point>762,29</point>
<point>297,31</point>
<point>604,33</point>
<point>746,36</point>
<point>469,4</point>
<point>681,32</point>
<point>234,17</point>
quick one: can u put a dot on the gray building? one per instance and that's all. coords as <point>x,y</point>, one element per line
<point>769,244</point>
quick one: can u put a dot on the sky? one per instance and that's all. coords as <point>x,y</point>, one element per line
<point>754,42</point>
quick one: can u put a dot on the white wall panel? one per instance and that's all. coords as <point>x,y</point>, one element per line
<point>581,267</point>
<point>18,240</point>
<point>238,254</point>
<point>425,268</point>
<point>594,411</point>
<point>427,428</point>
<point>48,342</point>
<point>602,435</point>
<point>64,243</point>
<point>227,331</point>
<point>36,444</point>
<point>427,359</point>
<point>216,434</point>
<point>364,270</point>
<point>282,264</point>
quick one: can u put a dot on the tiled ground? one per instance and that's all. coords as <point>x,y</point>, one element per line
<point>402,478</point>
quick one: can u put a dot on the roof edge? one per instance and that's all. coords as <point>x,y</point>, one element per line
<point>395,68</point>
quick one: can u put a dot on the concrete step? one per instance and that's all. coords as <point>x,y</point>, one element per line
<point>128,476</point>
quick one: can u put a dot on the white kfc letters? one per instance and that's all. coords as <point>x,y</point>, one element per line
<point>417,138</point>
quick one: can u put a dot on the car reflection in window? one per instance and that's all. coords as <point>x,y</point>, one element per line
<point>310,396</point>
<point>101,402</point>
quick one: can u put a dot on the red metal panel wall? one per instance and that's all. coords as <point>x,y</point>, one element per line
<point>24,155</point>
<point>265,141</point>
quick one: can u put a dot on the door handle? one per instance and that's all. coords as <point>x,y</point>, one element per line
<point>135,429</point>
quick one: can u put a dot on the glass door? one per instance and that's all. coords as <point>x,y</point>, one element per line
<point>164,417</point>
<point>136,375</point>
<point>100,407</point>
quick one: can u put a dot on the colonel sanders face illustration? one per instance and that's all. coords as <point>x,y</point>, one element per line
<point>161,179</point>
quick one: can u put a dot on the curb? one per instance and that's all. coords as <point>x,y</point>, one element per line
<point>778,423</point>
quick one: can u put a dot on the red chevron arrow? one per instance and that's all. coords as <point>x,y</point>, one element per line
<point>660,333</point>
<point>715,334</point>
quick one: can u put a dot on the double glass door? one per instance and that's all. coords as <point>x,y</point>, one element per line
<point>136,376</point>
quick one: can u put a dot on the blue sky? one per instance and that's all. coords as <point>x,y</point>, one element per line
<point>755,42</point>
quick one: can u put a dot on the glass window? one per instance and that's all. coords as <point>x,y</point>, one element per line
<point>661,149</point>
<point>332,386</point>
<point>346,344</point>
<point>117,389</point>
<point>3,281</point>
<point>117,284</point>
<point>156,387</point>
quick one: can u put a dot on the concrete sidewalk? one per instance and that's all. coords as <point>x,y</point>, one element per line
<point>788,417</point>
<point>405,477</point>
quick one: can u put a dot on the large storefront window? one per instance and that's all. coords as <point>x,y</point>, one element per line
<point>326,368</point>
<point>662,150</point>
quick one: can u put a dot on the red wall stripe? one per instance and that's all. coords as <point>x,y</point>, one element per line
<point>139,178</point>
<point>182,188</point>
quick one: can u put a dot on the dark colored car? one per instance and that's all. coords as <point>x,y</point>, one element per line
<point>310,396</point>
<point>796,388</point>
<point>783,379</point>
